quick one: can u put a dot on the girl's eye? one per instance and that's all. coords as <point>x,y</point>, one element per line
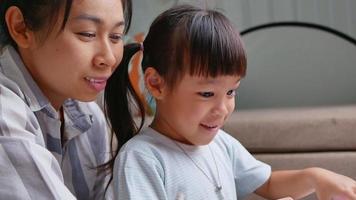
<point>115,38</point>
<point>231,93</point>
<point>206,94</point>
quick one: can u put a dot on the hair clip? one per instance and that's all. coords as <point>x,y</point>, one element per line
<point>141,46</point>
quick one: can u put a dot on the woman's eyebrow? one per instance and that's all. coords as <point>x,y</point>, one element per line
<point>96,19</point>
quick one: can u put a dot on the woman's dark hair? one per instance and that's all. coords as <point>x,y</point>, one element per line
<point>182,39</point>
<point>39,14</point>
<point>43,15</point>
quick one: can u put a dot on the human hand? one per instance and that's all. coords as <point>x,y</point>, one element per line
<point>332,186</point>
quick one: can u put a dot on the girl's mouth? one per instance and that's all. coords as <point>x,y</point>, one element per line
<point>210,127</point>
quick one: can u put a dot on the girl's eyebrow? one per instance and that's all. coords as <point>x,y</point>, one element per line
<point>206,81</point>
<point>213,81</point>
<point>96,19</point>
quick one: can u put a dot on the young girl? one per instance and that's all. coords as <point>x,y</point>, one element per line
<point>193,61</point>
<point>56,56</point>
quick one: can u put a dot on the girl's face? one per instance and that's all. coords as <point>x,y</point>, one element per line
<point>196,108</point>
<point>76,62</point>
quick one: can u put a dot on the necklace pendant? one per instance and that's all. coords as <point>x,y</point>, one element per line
<point>219,192</point>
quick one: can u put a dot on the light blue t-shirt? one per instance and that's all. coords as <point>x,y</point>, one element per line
<point>153,166</point>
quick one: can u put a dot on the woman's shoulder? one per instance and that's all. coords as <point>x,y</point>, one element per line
<point>10,89</point>
<point>17,119</point>
<point>90,109</point>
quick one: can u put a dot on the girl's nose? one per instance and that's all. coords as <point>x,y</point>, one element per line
<point>222,108</point>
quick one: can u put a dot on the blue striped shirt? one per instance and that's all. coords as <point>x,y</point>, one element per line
<point>34,164</point>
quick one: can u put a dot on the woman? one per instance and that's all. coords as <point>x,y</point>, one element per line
<point>53,63</point>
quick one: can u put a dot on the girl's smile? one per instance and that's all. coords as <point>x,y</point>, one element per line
<point>195,109</point>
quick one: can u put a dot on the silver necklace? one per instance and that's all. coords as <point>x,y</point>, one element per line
<point>217,185</point>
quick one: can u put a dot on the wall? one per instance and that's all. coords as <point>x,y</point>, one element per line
<point>288,68</point>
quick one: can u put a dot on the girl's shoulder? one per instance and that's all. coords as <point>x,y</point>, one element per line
<point>225,138</point>
<point>147,147</point>
<point>228,143</point>
<point>147,140</point>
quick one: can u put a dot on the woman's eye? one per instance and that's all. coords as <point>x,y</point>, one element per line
<point>206,94</point>
<point>115,38</point>
<point>87,34</point>
<point>231,93</point>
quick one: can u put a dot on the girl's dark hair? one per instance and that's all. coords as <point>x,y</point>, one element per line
<point>187,39</point>
<point>120,99</point>
<point>39,14</point>
<point>183,39</point>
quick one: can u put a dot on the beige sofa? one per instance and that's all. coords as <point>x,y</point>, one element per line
<point>299,138</point>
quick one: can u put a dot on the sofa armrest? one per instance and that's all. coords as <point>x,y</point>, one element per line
<point>295,130</point>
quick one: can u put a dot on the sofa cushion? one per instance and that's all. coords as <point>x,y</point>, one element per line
<point>295,129</point>
<point>340,162</point>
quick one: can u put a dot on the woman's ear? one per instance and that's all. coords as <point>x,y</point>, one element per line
<point>17,28</point>
<point>154,83</point>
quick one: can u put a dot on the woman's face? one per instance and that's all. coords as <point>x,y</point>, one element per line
<point>76,62</point>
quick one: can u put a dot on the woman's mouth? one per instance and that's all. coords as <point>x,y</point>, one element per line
<point>97,84</point>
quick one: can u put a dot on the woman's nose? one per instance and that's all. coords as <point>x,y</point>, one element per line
<point>105,56</point>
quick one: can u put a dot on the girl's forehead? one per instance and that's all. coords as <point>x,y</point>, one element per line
<point>204,80</point>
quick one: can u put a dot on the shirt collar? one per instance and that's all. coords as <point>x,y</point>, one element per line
<point>79,116</point>
<point>14,69</point>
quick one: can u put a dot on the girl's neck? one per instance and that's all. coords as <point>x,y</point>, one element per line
<point>163,127</point>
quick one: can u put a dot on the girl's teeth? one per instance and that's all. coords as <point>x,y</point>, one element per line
<point>210,126</point>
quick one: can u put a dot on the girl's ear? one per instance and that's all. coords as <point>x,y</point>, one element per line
<point>154,83</point>
<point>17,28</point>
